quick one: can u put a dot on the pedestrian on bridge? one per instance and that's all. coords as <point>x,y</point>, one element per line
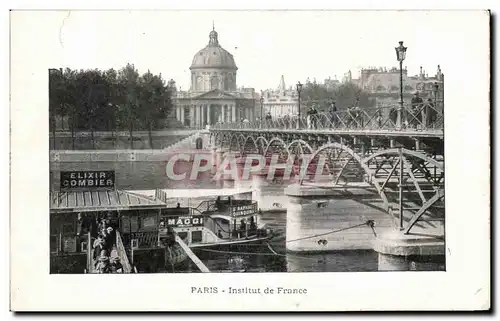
<point>269,117</point>
<point>416,111</point>
<point>431,113</point>
<point>333,115</point>
<point>312,117</point>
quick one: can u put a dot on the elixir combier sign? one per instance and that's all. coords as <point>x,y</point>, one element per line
<point>87,179</point>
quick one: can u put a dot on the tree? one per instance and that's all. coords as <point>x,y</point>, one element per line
<point>146,102</point>
<point>70,100</point>
<point>91,101</point>
<point>56,97</point>
<point>128,79</point>
<point>345,95</point>
<point>155,102</point>
<point>348,94</point>
<point>108,100</point>
<point>113,93</point>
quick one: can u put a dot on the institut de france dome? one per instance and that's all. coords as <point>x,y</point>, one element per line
<point>214,96</point>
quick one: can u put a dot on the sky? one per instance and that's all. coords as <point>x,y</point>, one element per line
<point>265,44</point>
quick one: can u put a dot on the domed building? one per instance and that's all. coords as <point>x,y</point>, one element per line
<point>214,96</point>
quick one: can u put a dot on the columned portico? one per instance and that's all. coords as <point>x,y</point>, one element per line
<point>178,113</point>
<point>191,116</point>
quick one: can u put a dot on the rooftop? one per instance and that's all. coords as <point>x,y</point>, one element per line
<point>88,201</point>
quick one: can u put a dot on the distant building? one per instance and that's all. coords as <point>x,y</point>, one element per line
<point>330,84</point>
<point>281,101</point>
<point>383,84</point>
<point>214,96</point>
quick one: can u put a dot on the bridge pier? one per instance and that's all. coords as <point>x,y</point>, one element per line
<point>331,218</point>
<point>218,156</point>
<point>400,252</point>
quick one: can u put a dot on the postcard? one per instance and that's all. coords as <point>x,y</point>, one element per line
<point>250,160</point>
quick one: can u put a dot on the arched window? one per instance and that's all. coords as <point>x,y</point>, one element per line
<point>230,81</point>
<point>199,83</point>
<point>214,83</point>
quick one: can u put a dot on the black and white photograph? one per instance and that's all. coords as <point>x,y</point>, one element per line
<point>154,171</point>
<point>250,142</point>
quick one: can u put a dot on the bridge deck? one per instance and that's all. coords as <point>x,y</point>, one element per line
<point>385,133</point>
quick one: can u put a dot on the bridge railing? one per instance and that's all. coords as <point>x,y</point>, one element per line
<point>425,116</point>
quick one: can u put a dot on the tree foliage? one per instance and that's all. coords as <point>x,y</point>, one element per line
<point>109,100</point>
<point>345,95</point>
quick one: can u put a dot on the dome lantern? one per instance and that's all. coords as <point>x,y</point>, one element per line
<point>213,37</point>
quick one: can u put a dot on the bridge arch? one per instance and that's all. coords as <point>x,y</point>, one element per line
<point>225,139</point>
<point>261,143</point>
<point>249,143</point>
<point>235,141</point>
<point>364,166</point>
<point>381,186</point>
<point>404,151</point>
<point>276,139</point>
<point>300,144</point>
<point>241,142</point>
<point>344,148</point>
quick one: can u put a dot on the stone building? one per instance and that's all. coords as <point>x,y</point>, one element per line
<point>214,96</point>
<point>281,101</point>
<point>383,84</point>
<point>331,84</point>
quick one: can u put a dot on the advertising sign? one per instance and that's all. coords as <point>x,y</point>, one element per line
<point>243,210</point>
<point>87,179</point>
<point>181,221</point>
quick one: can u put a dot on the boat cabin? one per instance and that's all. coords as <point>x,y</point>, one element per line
<point>145,221</point>
<point>76,214</point>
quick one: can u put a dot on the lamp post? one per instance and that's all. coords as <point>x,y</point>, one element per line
<point>261,107</point>
<point>299,89</point>
<point>436,89</point>
<point>261,104</point>
<point>401,55</point>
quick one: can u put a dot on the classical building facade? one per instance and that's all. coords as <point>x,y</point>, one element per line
<point>383,84</point>
<point>281,101</point>
<point>214,96</point>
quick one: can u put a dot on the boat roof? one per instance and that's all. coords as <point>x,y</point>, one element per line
<point>98,200</point>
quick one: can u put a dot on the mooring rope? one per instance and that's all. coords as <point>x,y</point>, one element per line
<point>271,249</point>
<point>369,223</point>
<point>257,254</point>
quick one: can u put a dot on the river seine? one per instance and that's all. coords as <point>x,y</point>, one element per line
<point>263,258</point>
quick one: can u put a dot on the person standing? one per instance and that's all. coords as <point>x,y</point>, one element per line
<point>416,110</point>
<point>430,113</point>
<point>333,114</point>
<point>314,116</point>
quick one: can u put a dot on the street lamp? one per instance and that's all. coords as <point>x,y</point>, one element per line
<point>436,89</point>
<point>436,92</point>
<point>401,55</point>
<point>261,103</point>
<point>299,89</point>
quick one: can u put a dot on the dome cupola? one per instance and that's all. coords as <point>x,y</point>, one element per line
<point>213,55</point>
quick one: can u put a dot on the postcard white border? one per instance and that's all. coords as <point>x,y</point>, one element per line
<point>465,285</point>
